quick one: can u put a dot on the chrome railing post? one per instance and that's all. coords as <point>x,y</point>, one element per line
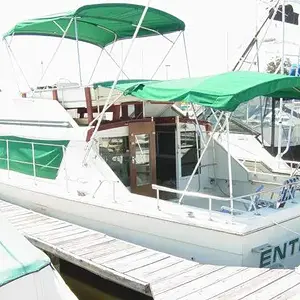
<point>7,158</point>
<point>114,191</point>
<point>210,209</point>
<point>65,167</point>
<point>33,162</point>
<point>157,198</point>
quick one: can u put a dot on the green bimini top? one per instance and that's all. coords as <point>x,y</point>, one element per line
<point>222,92</point>
<point>18,257</point>
<point>101,24</point>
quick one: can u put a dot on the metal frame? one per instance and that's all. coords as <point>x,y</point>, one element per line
<point>201,157</point>
<point>12,56</point>
<point>90,145</point>
<point>33,163</point>
<point>166,55</point>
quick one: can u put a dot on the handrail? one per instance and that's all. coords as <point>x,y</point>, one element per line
<point>248,199</point>
<point>113,182</point>
<point>35,143</point>
<point>34,164</point>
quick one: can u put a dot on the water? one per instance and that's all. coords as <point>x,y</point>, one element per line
<point>88,286</point>
<point>85,291</point>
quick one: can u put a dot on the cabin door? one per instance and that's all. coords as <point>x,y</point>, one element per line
<point>143,157</point>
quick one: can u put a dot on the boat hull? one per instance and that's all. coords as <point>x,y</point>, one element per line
<point>177,238</point>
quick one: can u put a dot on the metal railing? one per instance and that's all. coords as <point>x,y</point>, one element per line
<point>249,199</point>
<point>288,165</point>
<point>113,182</point>
<point>33,163</point>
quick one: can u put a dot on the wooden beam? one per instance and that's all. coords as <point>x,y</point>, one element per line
<point>138,110</point>
<point>124,108</point>
<point>54,95</point>
<point>89,107</point>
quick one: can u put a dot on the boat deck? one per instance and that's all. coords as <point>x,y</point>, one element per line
<point>156,274</point>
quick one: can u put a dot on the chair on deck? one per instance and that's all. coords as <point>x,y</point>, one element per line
<point>287,192</point>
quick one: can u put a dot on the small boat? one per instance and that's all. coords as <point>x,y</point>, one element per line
<point>25,271</point>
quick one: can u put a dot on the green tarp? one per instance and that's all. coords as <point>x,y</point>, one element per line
<point>222,92</point>
<point>19,157</point>
<point>101,24</point>
<point>17,256</point>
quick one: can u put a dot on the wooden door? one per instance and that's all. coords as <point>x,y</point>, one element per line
<point>143,157</point>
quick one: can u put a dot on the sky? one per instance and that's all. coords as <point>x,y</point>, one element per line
<point>216,34</point>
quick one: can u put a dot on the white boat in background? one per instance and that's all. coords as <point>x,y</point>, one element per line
<point>59,156</point>
<point>25,271</point>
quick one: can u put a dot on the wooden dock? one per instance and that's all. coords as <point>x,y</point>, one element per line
<point>156,274</point>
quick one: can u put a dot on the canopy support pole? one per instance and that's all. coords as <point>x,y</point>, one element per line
<point>12,65</point>
<point>186,55</point>
<point>78,53</point>
<point>96,65</point>
<point>200,159</point>
<point>198,133</point>
<point>229,164</point>
<point>282,72</point>
<point>53,56</point>
<point>111,57</point>
<point>197,125</point>
<point>260,97</point>
<point>115,81</point>
<point>12,57</point>
<point>167,54</point>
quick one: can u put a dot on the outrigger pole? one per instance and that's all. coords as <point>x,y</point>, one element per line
<point>255,38</point>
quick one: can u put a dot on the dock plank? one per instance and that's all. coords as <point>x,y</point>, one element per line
<point>104,249</point>
<point>119,255</point>
<point>153,273</point>
<point>249,287</point>
<point>291,294</point>
<point>183,284</point>
<point>145,271</point>
<point>274,288</point>
<point>218,288</point>
<point>87,246</point>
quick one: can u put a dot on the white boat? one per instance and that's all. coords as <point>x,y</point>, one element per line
<point>51,164</point>
<point>25,271</point>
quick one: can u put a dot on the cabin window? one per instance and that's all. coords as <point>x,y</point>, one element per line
<point>115,151</point>
<point>188,150</point>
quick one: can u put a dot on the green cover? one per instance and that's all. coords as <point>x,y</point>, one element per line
<point>47,154</point>
<point>102,24</point>
<point>223,91</point>
<point>17,256</point>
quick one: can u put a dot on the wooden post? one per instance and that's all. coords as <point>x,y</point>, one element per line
<point>89,107</point>
<point>138,110</point>
<point>116,112</point>
<point>89,134</point>
<point>23,95</point>
<point>54,95</point>
<point>124,108</point>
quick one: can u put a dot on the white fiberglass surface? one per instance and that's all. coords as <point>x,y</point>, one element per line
<point>246,147</point>
<point>43,285</point>
<point>35,109</point>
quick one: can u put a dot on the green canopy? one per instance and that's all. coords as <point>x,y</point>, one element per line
<point>101,24</point>
<point>18,257</point>
<point>223,92</point>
